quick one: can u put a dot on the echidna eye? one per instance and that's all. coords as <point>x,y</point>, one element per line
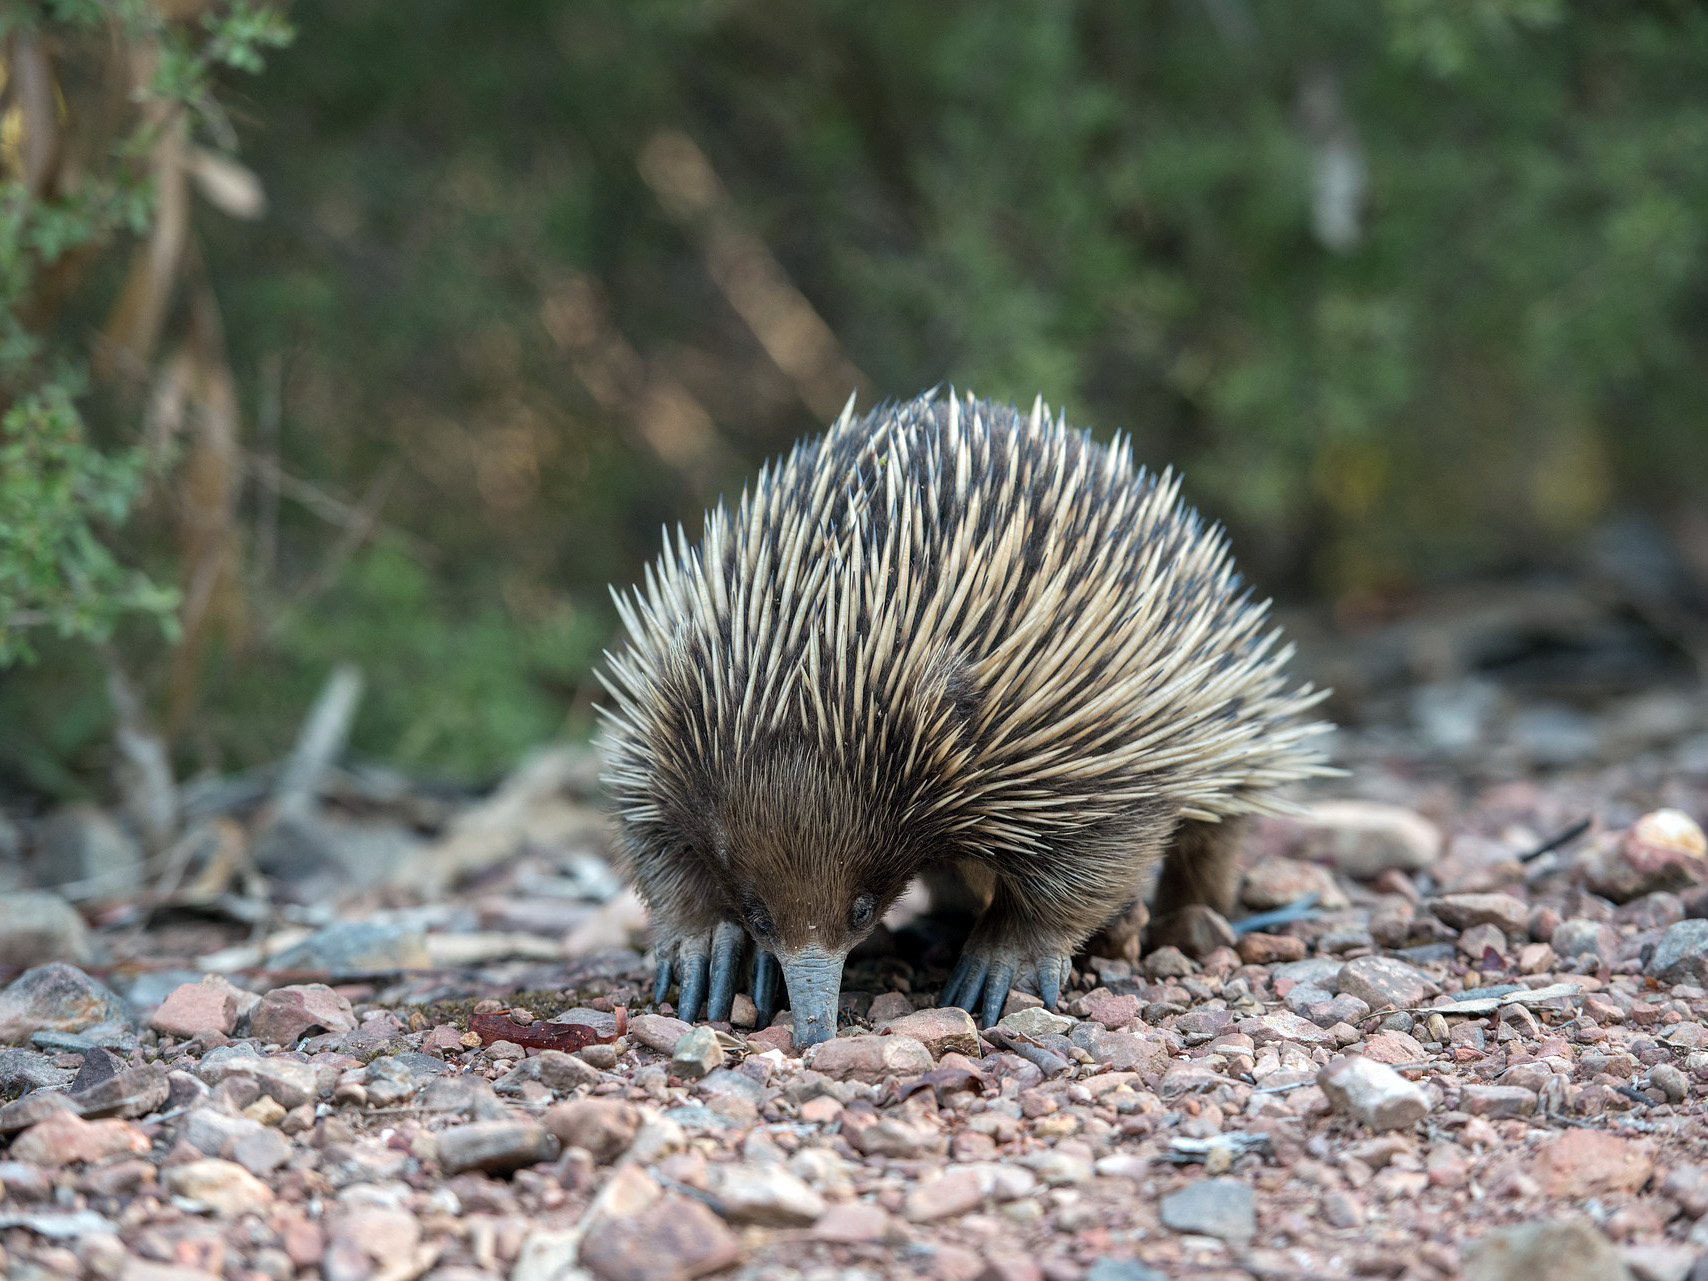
<point>758,918</point>
<point>860,915</point>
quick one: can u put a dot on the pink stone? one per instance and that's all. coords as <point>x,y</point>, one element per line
<point>854,1223</point>
<point>1586,1163</point>
<point>65,1138</point>
<point>951,1194</point>
<point>869,1058</point>
<point>940,1031</point>
<point>194,1009</point>
<point>1113,1012</point>
<point>287,1014</point>
<point>444,1039</point>
<point>773,1038</point>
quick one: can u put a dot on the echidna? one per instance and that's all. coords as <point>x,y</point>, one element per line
<point>945,636</point>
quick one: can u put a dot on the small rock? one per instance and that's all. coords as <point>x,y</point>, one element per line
<point>1382,982</point>
<point>1112,1011</point>
<point>869,1058</point>
<point>1688,1185</point>
<point>1462,911</point>
<point>56,997</point>
<point>1365,838</point>
<point>888,1137</point>
<point>672,1239</point>
<point>33,1109</point>
<point>133,1092</point>
<point>285,1015</point>
<point>1373,1093</point>
<point>37,927</point>
<point>254,1146</point>
<point>1034,1023</point>
<point>224,1187</point>
<point>1663,850</point>
<point>1557,1251</point>
<point>196,1009</point>
<point>696,1053</point>
<point>764,1194</point>
<point>290,1083</point>
<point>380,1233</point>
<point>1221,1208</point>
<point>24,1070</point>
<point>547,1254</point>
<point>1670,1081</point>
<point>743,1013</point>
<point>1681,956</point>
<point>657,1031</point>
<point>952,1193</point>
<point>1578,936</point>
<point>941,1031</point>
<point>1270,949</point>
<point>854,1223</point>
<point>1585,1163</point>
<point>1478,941</point>
<point>1276,882</point>
<point>888,1006</point>
<point>1497,1102</point>
<point>604,1127</point>
<point>1122,1051</point>
<point>1168,963</point>
<point>67,1139</point>
<point>494,1146</point>
<point>1120,1270</point>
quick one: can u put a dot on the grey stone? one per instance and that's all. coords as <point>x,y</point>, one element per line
<point>1381,981</point>
<point>24,1070</point>
<point>133,1092</point>
<point>1122,1270</point>
<point>389,1082</point>
<point>1221,1208</point>
<point>1682,954</point>
<point>1037,1022</point>
<point>56,997</point>
<point>1558,1251</point>
<point>37,927</point>
<point>726,1082</point>
<point>696,1053</point>
<point>494,1146</point>
<point>1373,1093</point>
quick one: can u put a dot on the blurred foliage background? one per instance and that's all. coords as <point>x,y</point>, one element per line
<point>397,341</point>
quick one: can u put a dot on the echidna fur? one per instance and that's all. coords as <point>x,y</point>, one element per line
<point>945,633</point>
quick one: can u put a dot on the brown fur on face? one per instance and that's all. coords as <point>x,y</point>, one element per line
<point>806,858</point>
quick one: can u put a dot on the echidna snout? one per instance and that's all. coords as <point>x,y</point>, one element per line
<point>949,634</point>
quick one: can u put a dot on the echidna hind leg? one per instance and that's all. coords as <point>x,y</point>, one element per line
<point>1201,867</point>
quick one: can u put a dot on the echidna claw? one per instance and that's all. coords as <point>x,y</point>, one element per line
<point>692,957</point>
<point>728,940</point>
<point>996,987</point>
<point>766,972</point>
<point>661,975</point>
<point>1052,973</point>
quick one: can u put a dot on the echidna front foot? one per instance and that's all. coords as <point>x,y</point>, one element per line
<point>985,974</point>
<point>704,963</point>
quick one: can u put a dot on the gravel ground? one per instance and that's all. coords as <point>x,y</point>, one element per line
<point>1472,1059</point>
